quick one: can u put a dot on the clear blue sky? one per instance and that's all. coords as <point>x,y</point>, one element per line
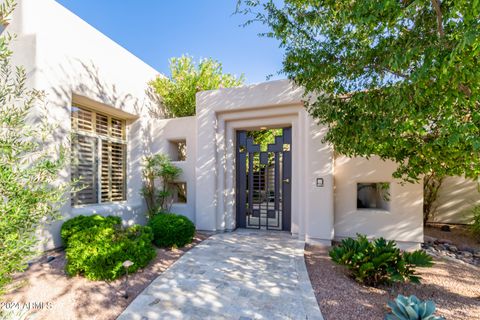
<point>156,30</point>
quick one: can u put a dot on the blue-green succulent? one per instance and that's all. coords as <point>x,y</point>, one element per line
<point>411,308</point>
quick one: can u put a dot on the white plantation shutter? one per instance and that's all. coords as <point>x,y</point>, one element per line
<point>98,157</point>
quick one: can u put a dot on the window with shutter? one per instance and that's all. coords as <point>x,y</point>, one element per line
<point>98,157</point>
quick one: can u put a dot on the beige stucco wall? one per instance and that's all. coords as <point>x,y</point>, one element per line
<point>68,59</point>
<point>273,104</point>
<point>456,198</point>
<point>403,222</point>
<point>162,132</point>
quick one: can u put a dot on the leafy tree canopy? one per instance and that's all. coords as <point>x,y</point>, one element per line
<point>395,78</point>
<point>177,92</point>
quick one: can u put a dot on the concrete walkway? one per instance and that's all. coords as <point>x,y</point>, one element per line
<point>239,275</point>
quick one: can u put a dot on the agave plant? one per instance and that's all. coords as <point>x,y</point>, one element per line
<point>411,308</point>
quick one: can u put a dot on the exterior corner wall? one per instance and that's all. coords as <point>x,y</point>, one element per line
<point>205,168</point>
<point>163,132</point>
<point>403,222</point>
<point>320,205</point>
<point>456,198</point>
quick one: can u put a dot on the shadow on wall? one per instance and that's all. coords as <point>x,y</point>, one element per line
<point>403,222</point>
<point>84,79</point>
<point>456,198</point>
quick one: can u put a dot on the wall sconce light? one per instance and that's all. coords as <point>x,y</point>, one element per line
<point>319,182</point>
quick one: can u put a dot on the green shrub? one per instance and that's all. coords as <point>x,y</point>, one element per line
<point>378,262</point>
<point>411,308</point>
<point>99,251</point>
<point>475,226</point>
<point>80,223</point>
<point>170,230</point>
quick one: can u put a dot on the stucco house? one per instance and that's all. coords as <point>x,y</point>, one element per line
<point>97,90</point>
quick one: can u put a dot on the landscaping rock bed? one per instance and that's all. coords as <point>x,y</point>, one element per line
<point>453,285</point>
<point>446,248</point>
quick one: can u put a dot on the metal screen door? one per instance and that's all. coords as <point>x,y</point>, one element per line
<point>263,181</point>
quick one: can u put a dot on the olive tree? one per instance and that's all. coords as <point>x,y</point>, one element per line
<point>30,194</point>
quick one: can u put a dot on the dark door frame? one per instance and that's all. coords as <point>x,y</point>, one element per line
<point>283,146</point>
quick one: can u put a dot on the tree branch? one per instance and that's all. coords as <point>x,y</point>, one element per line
<point>436,6</point>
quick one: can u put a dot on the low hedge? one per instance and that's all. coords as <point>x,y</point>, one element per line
<point>172,230</point>
<point>98,251</point>
<point>80,223</point>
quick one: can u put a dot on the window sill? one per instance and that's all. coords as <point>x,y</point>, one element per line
<point>373,210</point>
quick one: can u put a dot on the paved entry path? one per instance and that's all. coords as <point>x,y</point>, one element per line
<point>239,275</point>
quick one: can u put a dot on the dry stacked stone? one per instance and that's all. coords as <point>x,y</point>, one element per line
<point>445,248</point>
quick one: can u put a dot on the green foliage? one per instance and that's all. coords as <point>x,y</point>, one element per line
<point>396,79</point>
<point>159,167</point>
<point>263,138</point>
<point>378,262</point>
<point>171,230</point>
<point>178,92</point>
<point>411,308</point>
<point>475,226</point>
<point>79,223</point>
<point>97,248</point>
<point>30,193</point>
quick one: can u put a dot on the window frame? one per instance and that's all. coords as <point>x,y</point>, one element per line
<point>100,140</point>
<point>376,209</point>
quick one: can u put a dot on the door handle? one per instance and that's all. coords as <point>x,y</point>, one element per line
<point>287,180</point>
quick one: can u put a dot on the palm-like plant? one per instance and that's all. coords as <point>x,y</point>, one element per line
<point>379,261</point>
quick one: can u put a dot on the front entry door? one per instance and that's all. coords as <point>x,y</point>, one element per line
<point>264,182</point>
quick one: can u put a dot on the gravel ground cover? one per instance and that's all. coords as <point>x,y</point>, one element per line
<point>454,286</point>
<point>50,294</point>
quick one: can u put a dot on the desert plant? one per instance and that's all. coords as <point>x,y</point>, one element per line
<point>171,230</point>
<point>379,261</point>
<point>99,251</point>
<point>411,308</point>
<point>475,226</point>
<point>158,167</point>
<point>30,164</point>
<point>79,223</point>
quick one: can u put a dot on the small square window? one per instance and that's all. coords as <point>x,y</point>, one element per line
<point>373,196</point>
<point>179,192</point>
<point>178,150</point>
